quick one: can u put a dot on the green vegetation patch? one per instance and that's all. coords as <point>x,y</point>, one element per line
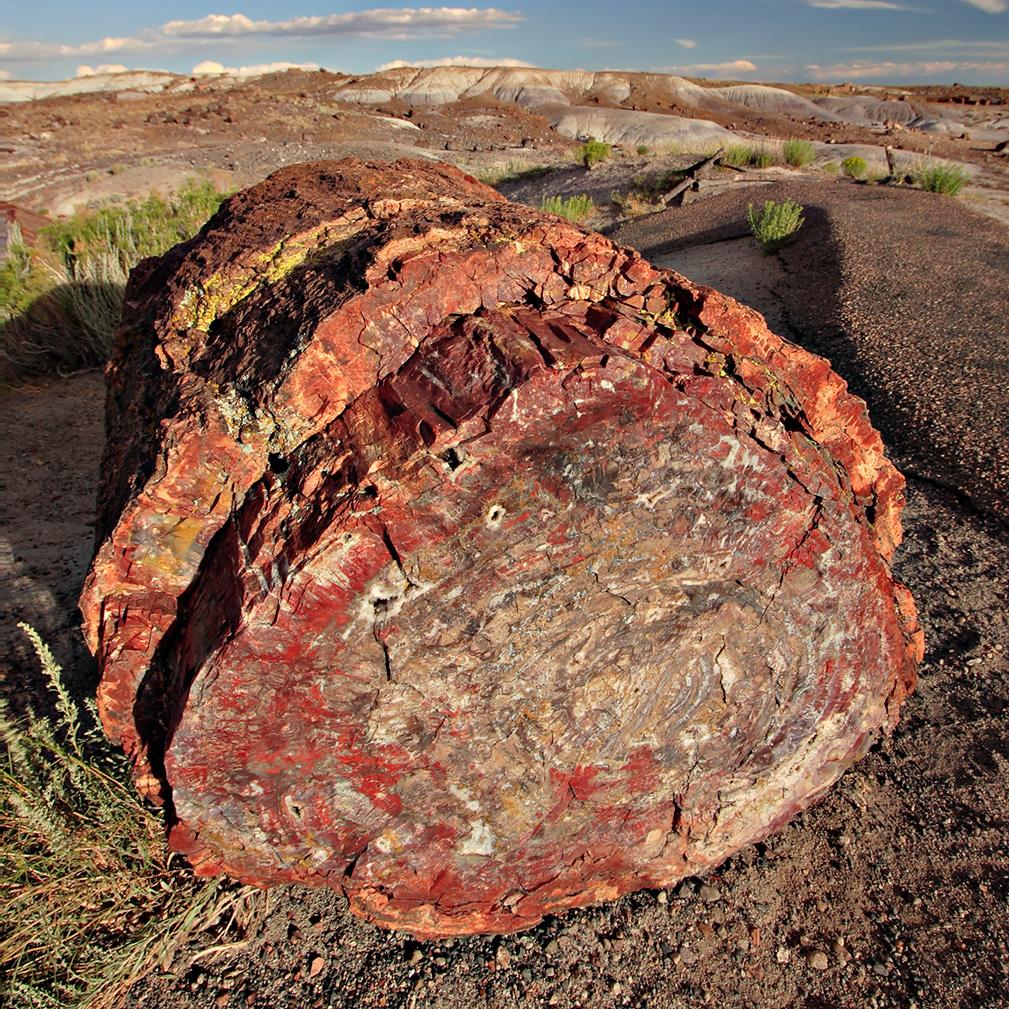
<point>774,223</point>
<point>60,301</point>
<point>744,156</point>
<point>937,177</point>
<point>798,153</point>
<point>592,152</point>
<point>512,171</point>
<point>577,209</point>
<point>854,167</point>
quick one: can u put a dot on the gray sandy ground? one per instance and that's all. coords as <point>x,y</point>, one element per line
<point>893,891</point>
<point>907,293</point>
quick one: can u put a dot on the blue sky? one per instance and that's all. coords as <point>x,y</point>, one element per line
<point>865,41</point>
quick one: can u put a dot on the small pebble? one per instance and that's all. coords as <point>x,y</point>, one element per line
<point>315,966</point>
<point>709,893</point>
<point>783,954</point>
<point>817,959</point>
<point>663,897</point>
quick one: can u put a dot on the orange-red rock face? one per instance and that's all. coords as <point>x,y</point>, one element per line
<point>457,558</point>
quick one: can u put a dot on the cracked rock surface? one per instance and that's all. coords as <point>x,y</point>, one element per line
<point>455,557</point>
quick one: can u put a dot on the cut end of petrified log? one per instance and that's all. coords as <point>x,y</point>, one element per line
<point>457,558</point>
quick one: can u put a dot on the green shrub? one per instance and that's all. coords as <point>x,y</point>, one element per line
<point>939,178</point>
<point>742,156</point>
<point>91,899</point>
<point>136,229</point>
<point>592,152</point>
<point>763,158</point>
<point>798,153</point>
<point>854,167</point>
<point>642,149</point>
<point>775,223</point>
<point>60,301</point>
<point>738,155</point>
<point>831,168</point>
<point>577,209</point>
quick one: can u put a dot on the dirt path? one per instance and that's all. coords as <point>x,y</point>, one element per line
<point>892,892</point>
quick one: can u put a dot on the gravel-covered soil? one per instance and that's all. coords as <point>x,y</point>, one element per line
<point>894,890</point>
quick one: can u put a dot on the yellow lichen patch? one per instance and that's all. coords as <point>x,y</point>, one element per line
<point>219,293</point>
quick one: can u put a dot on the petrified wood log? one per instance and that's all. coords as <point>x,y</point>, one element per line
<point>455,557</point>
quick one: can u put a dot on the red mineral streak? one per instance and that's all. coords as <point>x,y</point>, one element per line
<point>456,558</point>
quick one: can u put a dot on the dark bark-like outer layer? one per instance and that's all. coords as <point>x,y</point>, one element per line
<point>455,557</point>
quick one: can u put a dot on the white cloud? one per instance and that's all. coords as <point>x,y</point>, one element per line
<point>991,6</point>
<point>103,68</point>
<point>5,75</point>
<point>686,43</point>
<point>731,67</point>
<point>404,23</point>
<point>946,47</point>
<point>455,61</point>
<point>861,5</point>
<point>29,51</point>
<point>408,22</point>
<point>255,70</point>
<point>887,70</point>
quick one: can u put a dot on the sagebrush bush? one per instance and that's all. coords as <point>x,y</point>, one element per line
<point>774,223</point>
<point>937,177</point>
<point>798,153</point>
<point>592,152</point>
<point>854,167</point>
<point>60,301</point>
<point>91,899</point>
<point>577,209</point>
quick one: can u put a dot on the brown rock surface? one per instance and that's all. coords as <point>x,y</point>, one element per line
<point>455,557</point>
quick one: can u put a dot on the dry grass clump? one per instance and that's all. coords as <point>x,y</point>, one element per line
<point>798,153</point>
<point>577,209</point>
<point>937,177</point>
<point>635,203</point>
<point>743,156</point>
<point>738,155</point>
<point>774,223</point>
<point>91,899</point>
<point>512,171</point>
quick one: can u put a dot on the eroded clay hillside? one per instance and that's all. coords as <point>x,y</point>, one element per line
<point>71,142</point>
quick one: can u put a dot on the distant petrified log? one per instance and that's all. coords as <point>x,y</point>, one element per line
<point>454,557</point>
